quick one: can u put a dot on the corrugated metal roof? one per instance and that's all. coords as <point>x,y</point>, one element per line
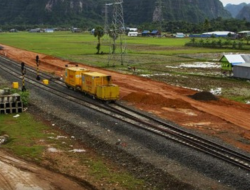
<point>244,32</point>
<point>218,33</point>
<point>246,57</point>
<point>235,59</point>
<point>243,65</point>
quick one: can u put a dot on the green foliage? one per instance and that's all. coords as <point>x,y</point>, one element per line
<point>99,32</point>
<point>217,24</point>
<point>24,96</point>
<point>219,43</point>
<point>100,171</point>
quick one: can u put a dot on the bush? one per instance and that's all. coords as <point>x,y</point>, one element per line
<point>24,96</point>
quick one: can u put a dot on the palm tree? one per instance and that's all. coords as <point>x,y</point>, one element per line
<point>99,32</point>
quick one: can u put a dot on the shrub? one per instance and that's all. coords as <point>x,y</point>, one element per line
<point>24,96</point>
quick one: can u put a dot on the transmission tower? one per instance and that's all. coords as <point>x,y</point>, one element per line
<point>158,12</point>
<point>106,24</point>
<point>117,33</point>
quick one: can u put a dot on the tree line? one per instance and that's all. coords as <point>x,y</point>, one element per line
<point>218,24</point>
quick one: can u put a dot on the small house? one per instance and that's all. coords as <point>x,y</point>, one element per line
<point>133,34</point>
<point>35,30</point>
<point>145,33</point>
<point>13,30</point>
<point>155,33</point>
<point>179,35</point>
<point>133,29</point>
<point>238,64</point>
<point>217,34</point>
<point>76,30</point>
<point>49,30</point>
<point>242,71</point>
<point>243,34</point>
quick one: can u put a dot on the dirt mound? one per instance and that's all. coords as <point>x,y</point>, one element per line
<point>204,96</point>
<point>155,100</point>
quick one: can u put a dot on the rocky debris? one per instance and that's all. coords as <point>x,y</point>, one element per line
<point>204,96</point>
<point>4,139</point>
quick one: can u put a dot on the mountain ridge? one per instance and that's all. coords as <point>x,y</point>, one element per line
<point>91,12</point>
<point>240,11</point>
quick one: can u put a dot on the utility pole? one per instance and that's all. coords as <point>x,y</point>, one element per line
<point>37,68</point>
<point>23,71</point>
<point>117,32</point>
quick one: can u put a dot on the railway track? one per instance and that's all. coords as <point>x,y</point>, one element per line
<point>132,117</point>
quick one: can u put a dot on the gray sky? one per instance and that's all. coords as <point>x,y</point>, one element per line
<point>236,2</point>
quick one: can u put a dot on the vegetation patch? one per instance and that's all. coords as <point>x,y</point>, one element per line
<point>40,142</point>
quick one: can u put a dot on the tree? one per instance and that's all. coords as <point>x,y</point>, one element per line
<point>99,32</point>
<point>206,25</point>
<point>247,38</point>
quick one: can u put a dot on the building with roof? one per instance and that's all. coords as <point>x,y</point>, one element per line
<point>13,30</point>
<point>155,33</point>
<point>145,33</point>
<point>236,64</point>
<point>132,29</point>
<point>35,30</point>
<point>217,34</point>
<point>243,34</point>
<point>49,30</point>
<point>179,35</point>
<point>133,34</point>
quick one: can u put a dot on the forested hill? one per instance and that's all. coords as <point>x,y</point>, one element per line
<point>244,13</point>
<point>90,12</point>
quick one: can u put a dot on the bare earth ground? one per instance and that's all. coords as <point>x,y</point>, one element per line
<point>225,119</point>
<point>19,175</point>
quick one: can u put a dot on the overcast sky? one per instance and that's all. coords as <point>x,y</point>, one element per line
<point>236,2</point>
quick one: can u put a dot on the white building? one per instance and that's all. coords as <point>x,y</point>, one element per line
<point>133,34</point>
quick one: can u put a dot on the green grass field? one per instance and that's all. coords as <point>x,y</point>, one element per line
<point>81,47</point>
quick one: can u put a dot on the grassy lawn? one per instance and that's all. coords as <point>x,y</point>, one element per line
<point>81,47</point>
<point>30,140</point>
<point>23,132</point>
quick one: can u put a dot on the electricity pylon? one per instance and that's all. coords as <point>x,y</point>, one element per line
<point>158,13</point>
<point>106,24</point>
<point>117,33</point>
